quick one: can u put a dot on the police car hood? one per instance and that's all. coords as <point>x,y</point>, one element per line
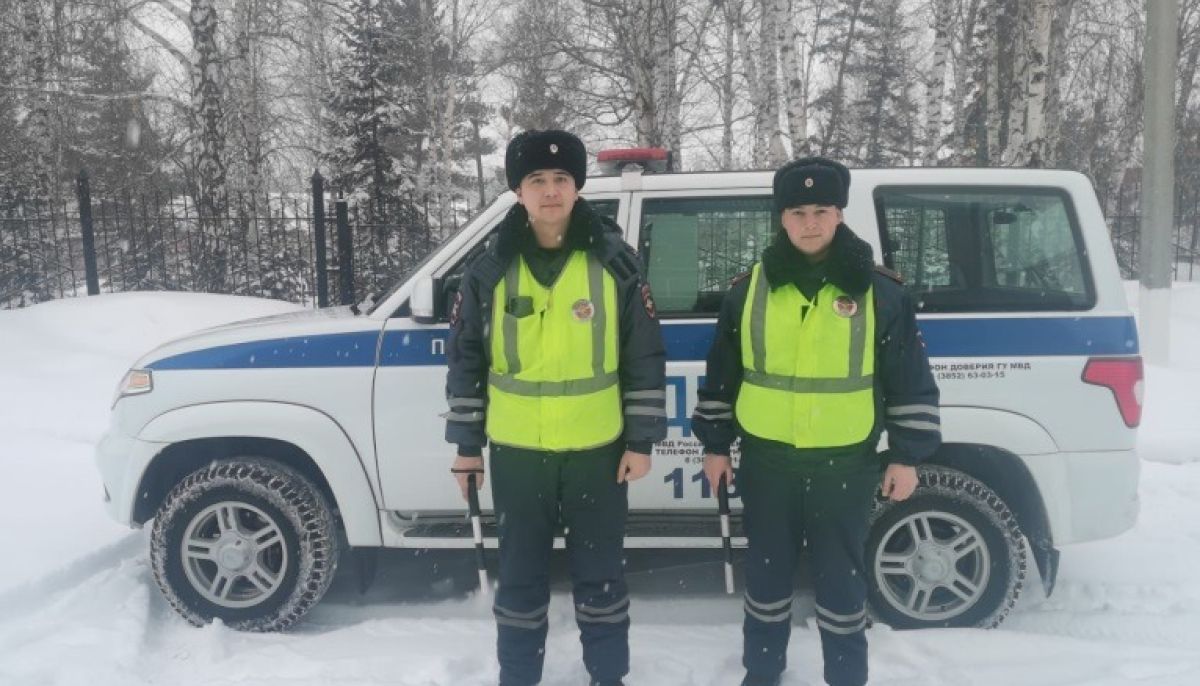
<point>300,325</point>
<point>300,317</point>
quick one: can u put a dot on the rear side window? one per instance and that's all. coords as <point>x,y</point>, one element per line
<point>964,249</point>
<point>693,247</point>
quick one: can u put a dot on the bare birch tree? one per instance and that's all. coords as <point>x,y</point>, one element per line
<point>642,59</point>
<point>208,107</point>
<point>797,72</point>
<point>1026,140</point>
<point>935,84</point>
<point>739,16</point>
<point>772,17</point>
<point>838,48</point>
<point>968,49</point>
<point>39,131</point>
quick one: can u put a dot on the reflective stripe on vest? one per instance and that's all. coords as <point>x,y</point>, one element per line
<point>808,365</point>
<point>553,384</point>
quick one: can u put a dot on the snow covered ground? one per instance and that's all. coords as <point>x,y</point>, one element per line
<point>78,604</point>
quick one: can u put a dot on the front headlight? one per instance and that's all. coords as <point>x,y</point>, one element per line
<point>136,382</point>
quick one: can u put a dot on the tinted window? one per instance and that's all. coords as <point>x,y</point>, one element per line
<point>964,249</point>
<point>449,282</point>
<point>693,247</point>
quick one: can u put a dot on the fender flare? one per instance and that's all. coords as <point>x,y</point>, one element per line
<point>1010,431</point>
<point>312,431</point>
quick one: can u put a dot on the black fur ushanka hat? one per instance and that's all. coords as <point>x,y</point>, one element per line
<point>811,181</point>
<point>530,151</point>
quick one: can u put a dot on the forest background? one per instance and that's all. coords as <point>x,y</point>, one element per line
<point>216,113</point>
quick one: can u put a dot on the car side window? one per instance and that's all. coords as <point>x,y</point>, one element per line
<point>448,284</point>
<point>965,249</point>
<point>693,247</point>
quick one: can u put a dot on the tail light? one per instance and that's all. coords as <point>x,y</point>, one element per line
<point>1122,376</point>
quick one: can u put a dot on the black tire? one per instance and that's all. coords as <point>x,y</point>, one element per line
<point>952,555</point>
<point>260,531</point>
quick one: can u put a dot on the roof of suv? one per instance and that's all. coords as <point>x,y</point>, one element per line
<point>897,175</point>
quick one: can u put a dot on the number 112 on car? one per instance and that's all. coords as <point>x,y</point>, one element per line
<point>675,477</point>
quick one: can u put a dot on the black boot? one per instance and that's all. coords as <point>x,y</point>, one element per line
<point>762,679</point>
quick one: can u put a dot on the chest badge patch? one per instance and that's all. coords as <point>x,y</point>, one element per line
<point>583,310</point>
<point>844,306</point>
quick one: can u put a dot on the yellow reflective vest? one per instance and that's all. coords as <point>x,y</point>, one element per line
<point>553,381</point>
<point>808,365</point>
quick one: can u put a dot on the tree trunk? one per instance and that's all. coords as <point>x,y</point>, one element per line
<point>935,87</point>
<point>207,108</point>
<point>758,96</point>
<point>969,78</point>
<point>997,54</point>
<point>1027,108</point>
<point>40,133</point>
<point>664,23</point>
<point>727,92</point>
<point>839,88</point>
<point>248,114</point>
<point>771,17</point>
<point>795,82</point>
<point>318,80</point>
<point>1189,49</point>
<point>208,122</point>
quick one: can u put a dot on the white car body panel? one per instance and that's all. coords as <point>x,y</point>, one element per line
<point>362,394</point>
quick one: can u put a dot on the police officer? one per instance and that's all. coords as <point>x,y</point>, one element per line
<point>816,352</point>
<point>556,356</point>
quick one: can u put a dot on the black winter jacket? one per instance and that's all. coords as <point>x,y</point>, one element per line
<point>906,396</point>
<point>641,362</point>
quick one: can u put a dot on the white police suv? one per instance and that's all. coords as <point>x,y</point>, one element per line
<point>251,445</point>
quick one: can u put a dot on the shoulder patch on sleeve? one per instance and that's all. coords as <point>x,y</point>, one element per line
<point>740,278</point>
<point>893,275</point>
<point>456,309</point>
<point>648,301</point>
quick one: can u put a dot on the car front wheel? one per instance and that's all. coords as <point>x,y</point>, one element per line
<point>248,541</point>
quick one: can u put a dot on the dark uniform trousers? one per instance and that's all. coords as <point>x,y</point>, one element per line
<point>816,498</point>
<point>533,492</point>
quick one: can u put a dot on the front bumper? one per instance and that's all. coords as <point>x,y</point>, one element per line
<point>122,460</point>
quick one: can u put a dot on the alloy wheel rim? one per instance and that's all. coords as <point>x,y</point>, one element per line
<point>234,554</point>
<point>932,566</point>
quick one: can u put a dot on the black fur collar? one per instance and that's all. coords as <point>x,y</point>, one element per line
<point>585,231</point>
<point>848,266</point>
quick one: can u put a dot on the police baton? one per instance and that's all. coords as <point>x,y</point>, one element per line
<point>723,510</point>
<point>477,529</point>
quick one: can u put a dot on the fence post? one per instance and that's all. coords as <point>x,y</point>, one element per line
<point>345,254</point>
<point>83,192</point>
<point>318,198</point>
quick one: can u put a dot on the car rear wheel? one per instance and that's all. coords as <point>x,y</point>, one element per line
<point>952,555</point>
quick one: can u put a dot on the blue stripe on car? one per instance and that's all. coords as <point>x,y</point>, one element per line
<point>960,337</point>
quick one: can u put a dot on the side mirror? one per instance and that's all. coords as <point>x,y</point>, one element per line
<point>421,302</point>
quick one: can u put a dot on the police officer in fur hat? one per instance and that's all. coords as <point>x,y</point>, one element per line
<point>817,351</point>
<point>556,357</point>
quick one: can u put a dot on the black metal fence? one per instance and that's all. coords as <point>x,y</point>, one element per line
<point>311,248</point>
<point>1125,228</point>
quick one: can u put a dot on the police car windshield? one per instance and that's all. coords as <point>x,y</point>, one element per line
<point>407,274</point>
<point>607,207</point>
